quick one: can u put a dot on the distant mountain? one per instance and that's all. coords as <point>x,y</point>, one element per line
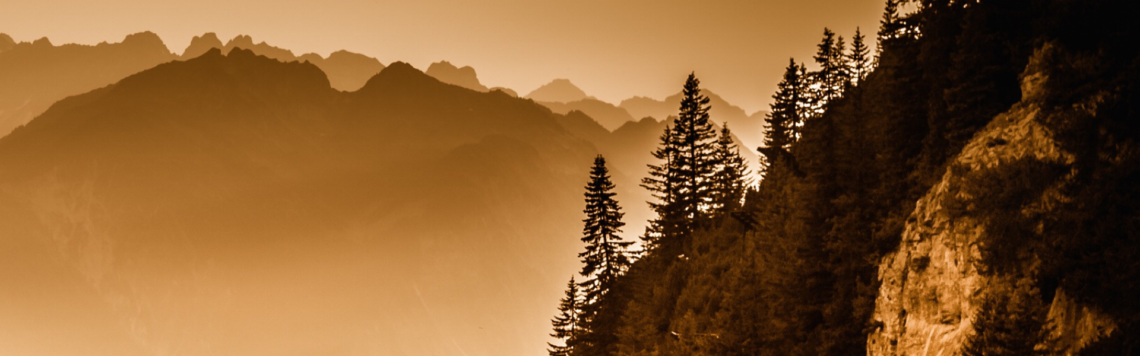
<point>212,202</point>
<point>609,116</point>
<point>749,128</point>
<point>448,73</point>
<point>37,74</point>
<point>558,90</point>
<point>347,71</point>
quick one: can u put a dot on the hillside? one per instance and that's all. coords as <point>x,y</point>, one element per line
<point>973,195</point>
<point>227,202</point>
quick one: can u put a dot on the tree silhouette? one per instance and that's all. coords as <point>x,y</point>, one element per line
<point>682,182</point>
<point>784,119</point>
<point>605,256</point>
<point>566,323</point>
<point>858,62</point>
<point>828,83</point>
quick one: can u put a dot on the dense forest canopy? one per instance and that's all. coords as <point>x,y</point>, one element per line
<point>789,267</point>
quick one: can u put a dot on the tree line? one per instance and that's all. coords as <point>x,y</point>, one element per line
<point>787,266</point>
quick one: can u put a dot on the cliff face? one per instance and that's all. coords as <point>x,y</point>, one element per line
<point>931,287</point>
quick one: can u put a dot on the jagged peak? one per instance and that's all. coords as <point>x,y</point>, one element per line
<point>243,41</point>
<point>201,44</point>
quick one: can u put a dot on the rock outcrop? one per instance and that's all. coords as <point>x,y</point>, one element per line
<point>931,287</point>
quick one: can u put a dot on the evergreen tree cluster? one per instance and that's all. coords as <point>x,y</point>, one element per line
<point>788,266</point>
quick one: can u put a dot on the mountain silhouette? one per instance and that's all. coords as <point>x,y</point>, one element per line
<point>448,73</point>
<point>347,71</point>
<point>609,116</point>
<point>211,198</point>
<point>558,90</point>
<point>39,73</point>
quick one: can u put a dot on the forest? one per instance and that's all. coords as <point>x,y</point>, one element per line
<point>789,264</point>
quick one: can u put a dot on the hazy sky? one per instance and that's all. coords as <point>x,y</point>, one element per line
<point>612,49</point>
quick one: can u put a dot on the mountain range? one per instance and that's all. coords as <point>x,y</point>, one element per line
<point>38,73</point>
<point>347,71</point>
<point>206,200</point>
<point>204,203</point>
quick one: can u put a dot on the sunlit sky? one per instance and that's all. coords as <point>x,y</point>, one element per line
<point>612,49</point>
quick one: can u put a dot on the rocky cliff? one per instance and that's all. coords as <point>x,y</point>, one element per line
<point>931,287</point>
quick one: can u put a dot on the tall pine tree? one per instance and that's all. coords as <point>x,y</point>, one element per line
<point>784,119</point>
<point>888,27</point>
<point>696,154</point>
<point>605,257</point>
<point>858,62</point>
<point>682,183</point>
<point>566,323</point>
<point>828,83</point>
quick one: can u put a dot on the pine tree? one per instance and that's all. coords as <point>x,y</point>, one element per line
<point>605,257</point>
<point>730,179</point>
<point>839,62</point>
<point>682,183</point>
<point>784,118</point>
<point>859,65</point>
<point>827,84</point>
<point>566,324</point>
<point>696,160</point>
<point>888,27</point>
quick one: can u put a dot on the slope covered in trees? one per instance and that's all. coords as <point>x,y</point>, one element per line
<point>793,270</point>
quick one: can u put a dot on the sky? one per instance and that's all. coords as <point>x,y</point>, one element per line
<point>612,49</point>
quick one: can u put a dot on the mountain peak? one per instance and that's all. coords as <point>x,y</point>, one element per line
<point>146,37</point>
<point>558,90</point>
<point>201,44</point>
<point>397,72</point>
<point>42,42</point>
<point>243,41</point>
<point>147,40</point>
<point>449,73</point>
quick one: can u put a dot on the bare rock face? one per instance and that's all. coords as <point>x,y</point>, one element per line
<point>931,288</point>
